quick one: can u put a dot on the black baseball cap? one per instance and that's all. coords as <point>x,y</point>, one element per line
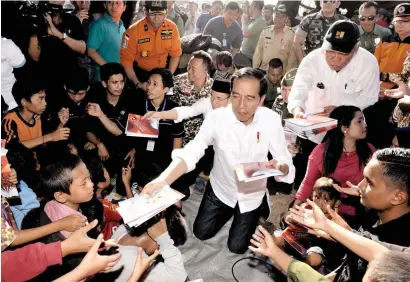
<point>156,7</point>
<point>281,9</point>
<point>402,12</point>
<point>341,37</point>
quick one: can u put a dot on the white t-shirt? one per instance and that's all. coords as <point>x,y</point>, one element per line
<point>11,57</point>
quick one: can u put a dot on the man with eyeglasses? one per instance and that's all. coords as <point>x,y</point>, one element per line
<point>339,73</point>
<point>370,32</point>
<point>391,52</point>
<point>313,27</point>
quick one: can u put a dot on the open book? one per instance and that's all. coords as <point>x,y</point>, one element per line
<point>137,127</point>
<point>135,211</point>
<point>255,171</point>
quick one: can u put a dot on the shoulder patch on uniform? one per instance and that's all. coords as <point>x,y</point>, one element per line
<point>124,44</point>
<point>144,40</point>
<point>145,27</point>
<point>127,36</point>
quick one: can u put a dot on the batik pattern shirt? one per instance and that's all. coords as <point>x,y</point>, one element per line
<point>185,94</point>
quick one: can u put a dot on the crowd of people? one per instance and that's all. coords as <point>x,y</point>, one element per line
<point>69,85</point>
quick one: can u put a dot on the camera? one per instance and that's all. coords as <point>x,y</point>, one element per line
<point>32,15</point>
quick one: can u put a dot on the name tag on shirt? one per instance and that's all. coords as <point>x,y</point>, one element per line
<point>150,145</point>
<point>224,44</point>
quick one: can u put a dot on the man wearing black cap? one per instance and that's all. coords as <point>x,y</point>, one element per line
<point>221,92</point>
<point>390,53</point>
<point>339,73</point>
<point>149,42</point>
<point>276,42</point>
<point>313,27</point>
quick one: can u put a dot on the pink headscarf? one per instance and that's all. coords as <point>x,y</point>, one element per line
<point>56,211</point>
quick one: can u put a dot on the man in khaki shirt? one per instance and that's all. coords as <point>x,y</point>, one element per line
<point>276,42</point>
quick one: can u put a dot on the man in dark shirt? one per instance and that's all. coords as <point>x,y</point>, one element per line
<point>386,189</point>
<point>108,118</point>
<point>73,104</point>
<point>156,150</point>
<point>58,50</point>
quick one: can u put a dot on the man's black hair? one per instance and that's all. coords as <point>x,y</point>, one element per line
<point>395,166</point>
<point>206,6</point>
<point>110,69</point>
<point>26,88</point>
<point>58,177</point>
<point>77,81</point>
<point>258,4</point>
<point>224,58</point>
<point>251,73</point>
<point>166,75</point>
<point>275,63</point>
<point>206,58</point>
<point>232,6</point>
<point>369,4</point>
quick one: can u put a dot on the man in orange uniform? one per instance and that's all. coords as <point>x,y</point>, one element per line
<point>390,53</point>
<point>148,43</point>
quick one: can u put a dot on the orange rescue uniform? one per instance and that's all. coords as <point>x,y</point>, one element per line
<point>148,47</point>
<point>391,53</point>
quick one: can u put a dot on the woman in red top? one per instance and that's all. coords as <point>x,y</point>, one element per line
<point>343,156</point>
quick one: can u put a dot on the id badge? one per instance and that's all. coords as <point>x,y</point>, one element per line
<point>150,145</point>
<point>224,44</point>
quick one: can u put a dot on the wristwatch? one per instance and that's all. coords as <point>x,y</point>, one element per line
<point>64,36</point>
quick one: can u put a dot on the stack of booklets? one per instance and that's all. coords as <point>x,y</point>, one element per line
<point>254,171</point>
<point>138,127</point>
<point>135,211</point>
<point>309,127</point>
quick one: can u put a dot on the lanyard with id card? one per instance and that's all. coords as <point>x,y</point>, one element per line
<point>151,143</point>
<point>224,43</point>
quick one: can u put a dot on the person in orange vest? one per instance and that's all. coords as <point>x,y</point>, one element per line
<point>390,53</point>
<point>148,43</point>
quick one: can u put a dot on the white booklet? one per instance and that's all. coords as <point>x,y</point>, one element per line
<point>255,171</point>
<point>139,209</point>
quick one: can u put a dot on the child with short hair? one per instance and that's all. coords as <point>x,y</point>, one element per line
<point>224,65</point>
<point>319,252</point>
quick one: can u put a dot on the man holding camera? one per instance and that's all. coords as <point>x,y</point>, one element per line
<point>57,49</point>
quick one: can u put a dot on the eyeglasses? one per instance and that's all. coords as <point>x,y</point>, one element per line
<point>331,2</point>
<point>369,18</point>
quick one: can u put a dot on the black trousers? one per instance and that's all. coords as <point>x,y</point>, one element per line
<point>213,214</point>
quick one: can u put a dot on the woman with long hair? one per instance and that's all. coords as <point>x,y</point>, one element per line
<point>342,156</point>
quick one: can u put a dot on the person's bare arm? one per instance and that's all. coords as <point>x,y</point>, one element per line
<point>59,134</point>
<point>69,223</point>
<point>92,138</point>
<point>93,54</point>
<point>177,143</point>
<point>297,47</point>
<point>34,49</point>
<point>76,45</point>
<point>94,110</point>
<point>173,64</point>
<point>129,71</point>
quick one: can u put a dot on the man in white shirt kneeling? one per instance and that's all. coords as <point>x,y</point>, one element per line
<point>243,132</point>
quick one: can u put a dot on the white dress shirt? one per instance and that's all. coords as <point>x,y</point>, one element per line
<point>356,84</point>
<point>202,106</point>
<point>234,143</point>
<point>11,57</point>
